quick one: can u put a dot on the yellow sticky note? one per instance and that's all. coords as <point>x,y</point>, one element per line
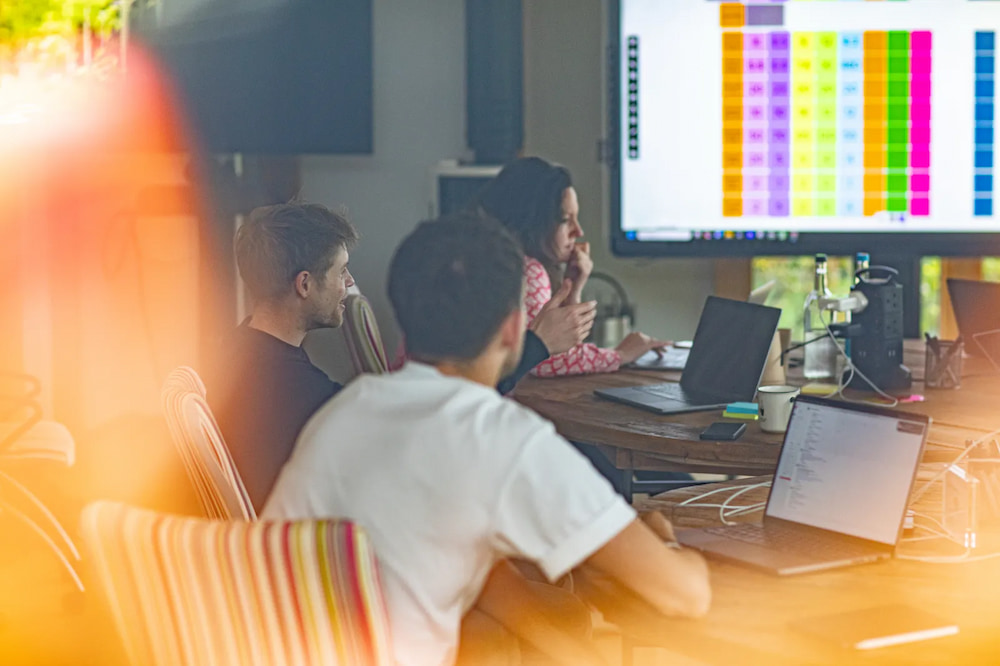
<point>818,388</point>
<point>739,415</point>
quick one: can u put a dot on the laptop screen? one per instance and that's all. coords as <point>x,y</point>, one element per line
<point>847,468</point>
<point>729,349</point>
<point>977,308</point>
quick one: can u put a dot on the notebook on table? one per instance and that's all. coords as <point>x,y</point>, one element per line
<point>725,364</point>
<point>839,493</point>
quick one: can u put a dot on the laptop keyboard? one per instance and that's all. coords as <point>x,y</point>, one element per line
<point>671,359</point>
<point>670,391</point>
<point>778,538</point>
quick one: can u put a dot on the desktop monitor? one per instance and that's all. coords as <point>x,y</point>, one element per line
<point>269,77</point>
<point>797,127</point>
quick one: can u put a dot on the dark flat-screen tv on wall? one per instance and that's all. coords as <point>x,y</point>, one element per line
<point>271,76</point>
<point>797,127</point>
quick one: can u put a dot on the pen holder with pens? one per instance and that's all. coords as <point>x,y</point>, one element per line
<point>943,364</point>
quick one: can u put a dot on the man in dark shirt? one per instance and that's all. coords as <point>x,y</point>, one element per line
<point>293,259</point>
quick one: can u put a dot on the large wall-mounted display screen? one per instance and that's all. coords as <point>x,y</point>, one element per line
<point>796,126</point>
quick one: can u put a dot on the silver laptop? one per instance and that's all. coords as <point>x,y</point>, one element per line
<point>839,494</point>
<point>675,356</point>
<point>725,365</point>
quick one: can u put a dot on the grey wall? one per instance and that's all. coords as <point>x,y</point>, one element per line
<point>419,100</point>
<point>564,117</point>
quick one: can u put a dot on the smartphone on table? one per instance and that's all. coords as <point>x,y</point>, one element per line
<point>723,431</point>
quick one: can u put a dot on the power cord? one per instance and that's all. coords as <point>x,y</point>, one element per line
<point>738,510</point>
<point>846,378</point>
<point>966,556</point>
<point>948,559</point>
<point>733,511</point>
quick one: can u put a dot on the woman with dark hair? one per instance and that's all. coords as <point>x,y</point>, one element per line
<point>536,201</point>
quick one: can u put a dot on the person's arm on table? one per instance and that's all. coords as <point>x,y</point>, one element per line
<point>515,603</point>
<point>581,358</point>
<point>556,511</point>
<point>638,562</point>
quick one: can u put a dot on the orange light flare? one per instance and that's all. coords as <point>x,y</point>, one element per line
<point>99,262</point>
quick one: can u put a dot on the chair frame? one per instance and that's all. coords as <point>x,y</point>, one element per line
<point>363,337</point>
<point>203,449</point>
<point>27,401</point>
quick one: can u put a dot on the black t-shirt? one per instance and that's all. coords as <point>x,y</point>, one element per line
<point>262,392</point>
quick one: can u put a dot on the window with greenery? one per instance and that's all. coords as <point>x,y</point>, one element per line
<point>56,34</point>
<point>794,276</point>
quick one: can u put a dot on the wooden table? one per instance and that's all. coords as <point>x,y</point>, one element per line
<point>639,440</point>
<point>751,612</point>
<point>633,439</point>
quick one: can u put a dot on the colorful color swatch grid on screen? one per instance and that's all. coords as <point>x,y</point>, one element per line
<point>823,124</point>
<point>985,66</point>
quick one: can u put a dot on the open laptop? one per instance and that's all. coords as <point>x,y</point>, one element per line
<point>725,365</point>
<point>675,356</point>
<point>839,494</point>
<point>977,311</point>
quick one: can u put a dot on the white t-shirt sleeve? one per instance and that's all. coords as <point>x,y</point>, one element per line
<point>555,509</point>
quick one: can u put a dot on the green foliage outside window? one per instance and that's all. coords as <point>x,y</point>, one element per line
<point>930,295</point>
<point>43,28</point>
<point>991,269</point>
<point>795,280</point>
<point>794,276</point>
<point>22,20</point>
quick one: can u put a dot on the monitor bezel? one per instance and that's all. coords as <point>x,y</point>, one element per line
<point>915,244</point>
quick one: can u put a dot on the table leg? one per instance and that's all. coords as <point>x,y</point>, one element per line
<point>625,483</point>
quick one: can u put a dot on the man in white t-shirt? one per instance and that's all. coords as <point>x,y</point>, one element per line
<point>449,478</point>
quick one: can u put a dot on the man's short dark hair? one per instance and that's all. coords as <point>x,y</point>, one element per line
<point>278,242</point>
<point>452,282</point>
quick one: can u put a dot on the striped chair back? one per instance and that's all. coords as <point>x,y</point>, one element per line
<point>363,337</point>
<point>196,592</point>
<point>203,449</point>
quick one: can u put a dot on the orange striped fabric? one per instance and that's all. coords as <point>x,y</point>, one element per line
<point>190,591</point>
<point>364,340</point>
<point>203,449</point>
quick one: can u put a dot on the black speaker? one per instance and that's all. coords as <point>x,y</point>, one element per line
<point>877,345</point>
<point>494,79</point>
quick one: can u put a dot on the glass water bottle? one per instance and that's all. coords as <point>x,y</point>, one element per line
<point>819,351</point>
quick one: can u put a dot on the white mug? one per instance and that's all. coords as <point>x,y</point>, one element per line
<point>775,406</point>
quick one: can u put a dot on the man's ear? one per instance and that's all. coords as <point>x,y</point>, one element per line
<point>303,284</point>
<point>512,329</point>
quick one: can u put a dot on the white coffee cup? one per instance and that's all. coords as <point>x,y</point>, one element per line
<point>775,406</point>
